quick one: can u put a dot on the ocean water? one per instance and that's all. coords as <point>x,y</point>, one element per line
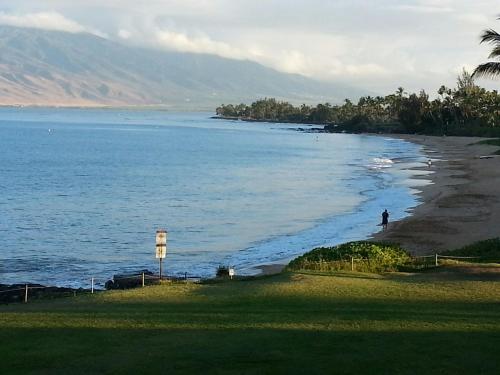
<point>82,192</point>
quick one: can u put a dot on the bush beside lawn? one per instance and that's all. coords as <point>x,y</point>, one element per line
<point>486,251</point>
<point>365,255</point>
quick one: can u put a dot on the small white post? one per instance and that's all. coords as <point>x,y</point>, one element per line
<point>436,260</point>
<point>352,263</point>
<point>26,293</point>
<point>143,283</point>
<point>92,286</point>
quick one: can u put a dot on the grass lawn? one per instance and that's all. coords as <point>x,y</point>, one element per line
<point>303,323</point>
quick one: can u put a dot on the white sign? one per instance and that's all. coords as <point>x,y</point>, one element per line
<point>161,251</point>
<point>231,272</point>
<point>161,237</point>
<point>161,243</point>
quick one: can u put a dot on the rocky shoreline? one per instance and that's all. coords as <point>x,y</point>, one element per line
<point>16,293</point>
<point>250,119</point>
<point>27,292</point>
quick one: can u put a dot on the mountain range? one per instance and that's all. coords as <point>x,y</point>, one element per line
<point>53,68</point>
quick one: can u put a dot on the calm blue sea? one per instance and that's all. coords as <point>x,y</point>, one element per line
<point>82,192</point>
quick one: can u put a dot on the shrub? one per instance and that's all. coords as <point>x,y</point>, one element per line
<point>368,257</point>
<point>222,271</point>
<point>487,250</point>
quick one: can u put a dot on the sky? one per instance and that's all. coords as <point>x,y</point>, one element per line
<point>378,45</point>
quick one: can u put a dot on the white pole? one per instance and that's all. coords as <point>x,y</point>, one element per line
<point>92,287</point>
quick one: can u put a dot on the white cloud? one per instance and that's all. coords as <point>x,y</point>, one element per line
<point>198,44</point>
<point>47,21</point>
<point>424,8</point>
<point>366,70</point>
<point>124,34</point>
<point>294,62</point>
<point>479,20</point>
<point>330,67</point>
<point>460,68</point>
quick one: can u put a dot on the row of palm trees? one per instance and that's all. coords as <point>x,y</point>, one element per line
<point>465,110</point>
<point>468,104</point>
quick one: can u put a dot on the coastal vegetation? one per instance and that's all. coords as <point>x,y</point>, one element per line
<point>485,251</point>
<point>363,256</point>
<point>466,110</point>
<point>378,257</point>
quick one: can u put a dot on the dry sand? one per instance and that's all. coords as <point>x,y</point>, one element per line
<point>463,203</point>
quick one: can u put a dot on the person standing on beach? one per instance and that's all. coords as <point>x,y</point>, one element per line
<point>385,219</point>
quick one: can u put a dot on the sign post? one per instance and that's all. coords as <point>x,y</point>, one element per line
<point>161,246</point>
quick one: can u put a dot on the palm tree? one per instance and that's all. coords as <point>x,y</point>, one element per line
<point>491,68</point>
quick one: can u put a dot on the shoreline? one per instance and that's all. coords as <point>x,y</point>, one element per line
<point>460,206</point>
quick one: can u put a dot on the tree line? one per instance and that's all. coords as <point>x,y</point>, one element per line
<point>466,109</point>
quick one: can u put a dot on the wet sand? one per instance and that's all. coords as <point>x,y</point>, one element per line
<point>461,206</point>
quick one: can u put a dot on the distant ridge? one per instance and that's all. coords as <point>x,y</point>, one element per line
<point>39,67</point>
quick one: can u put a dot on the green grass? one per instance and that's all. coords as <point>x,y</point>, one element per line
<point>292,323</point>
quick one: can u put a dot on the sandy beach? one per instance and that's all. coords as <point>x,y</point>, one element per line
<point>461,206</point>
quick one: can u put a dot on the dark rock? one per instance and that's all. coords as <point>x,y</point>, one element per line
<point>128,281</point>
<point>16,292</point>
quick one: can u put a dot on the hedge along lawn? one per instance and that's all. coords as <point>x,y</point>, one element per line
<point>299,323</point>
<point>374,257</point>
